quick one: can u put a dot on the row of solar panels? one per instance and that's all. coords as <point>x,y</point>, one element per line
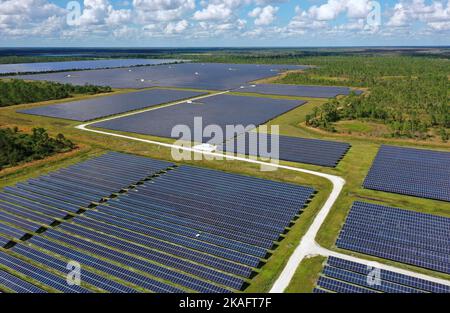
<point>343,276</point>
<point>414,172</point>
<point>409,237</point>
<point>293,149</point>
<point>188,229</point>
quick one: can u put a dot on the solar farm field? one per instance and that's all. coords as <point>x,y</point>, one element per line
<point>298,91</point>
<point>91,109</point>
<point>342,276</point>
<point>294,149</point>
<point>405,236</point>
<point>219,110</point>
<point>407,171</point>
<point>211,76</point>
<point>78,65</point>
<point>142,225</point>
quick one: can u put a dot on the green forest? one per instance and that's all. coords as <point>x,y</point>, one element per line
<point>409,94</point>
<point>17,147</point>
<point>17,91</point>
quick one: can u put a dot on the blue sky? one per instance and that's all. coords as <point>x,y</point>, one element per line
<point>184,23</point>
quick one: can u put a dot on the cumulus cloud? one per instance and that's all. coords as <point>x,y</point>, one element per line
<point>436,14</point>
<point>264,16</point>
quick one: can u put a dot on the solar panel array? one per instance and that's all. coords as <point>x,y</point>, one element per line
<point>298,90</point>
<point>210,76</point>
<point>404,236</point>
<point>78,65</point>
<point>294,149</point>
<point>343,276</point>
<point>414,172</point>
<point>137,224</point>
<point>90,109</point>
<point>221,110</point>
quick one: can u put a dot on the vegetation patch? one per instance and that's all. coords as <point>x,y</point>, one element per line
<point>18,91</point>
<point>17,147</point>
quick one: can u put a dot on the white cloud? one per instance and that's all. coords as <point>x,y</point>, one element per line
<point>213,12</point>
<point>435,15</point>
<point>176,28</point>
<point>264,16</point>
<point>162,10</point>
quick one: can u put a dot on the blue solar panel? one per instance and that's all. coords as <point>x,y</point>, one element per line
<point>340,286</point>
<point>44,277</point>
<point>16,284</point>
<point>61,266</point>
<point>221,110</point>
<point>294,149</point>
<point>109,268</point>
<point>213,76</point>
<point>78,65</point>
<point>298,90</point>
<point>98,107</point>
<point>414,172</point>
<point>400,235</point>
<point>401,279</point>
<point>130,261</point>
<point>168,247</point>
<point>150,254</point>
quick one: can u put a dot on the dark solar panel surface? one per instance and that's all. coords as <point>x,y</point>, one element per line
<point>340,275</point>
<point>294,149</point>
<point>94,108</point>
<point>298,90</point>
<point>188,228</point>
<point>77,65</point>
<point>212,76</point>
<point>414,172</point>
<point>221,110</point>
<point>409,237</point>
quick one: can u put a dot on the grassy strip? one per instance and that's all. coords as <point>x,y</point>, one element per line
<point>306,275</point>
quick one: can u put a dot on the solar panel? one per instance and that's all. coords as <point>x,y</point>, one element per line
<point>109,268</point>
<point>155,255</point>
<point>44,277</point>
<point>78,65</point>
<point>212,76</point>
<point>400,235</point>
<point>401,279</point>
<point>16,284</point>
<point>293,149</point>
<point>130,261</point>
<point>98,107</point>
<point>414,172</point>
<point>221,110</point>
<point>298,90</point>
<point>61,266</point>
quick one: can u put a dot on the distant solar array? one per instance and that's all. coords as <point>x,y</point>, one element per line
<point>212,76</point>
<point>79,65</point>
<point>85,110</point>
<point>415,172</point>
<point>294,149</point>
<point>342,276</point>
<point>404,236</point>
<point>137,224</point>
<point>298,90</point>
<point>221,110</point>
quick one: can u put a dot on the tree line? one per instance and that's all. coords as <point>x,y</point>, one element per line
<point>17,147</point>
<point>17,91</point>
